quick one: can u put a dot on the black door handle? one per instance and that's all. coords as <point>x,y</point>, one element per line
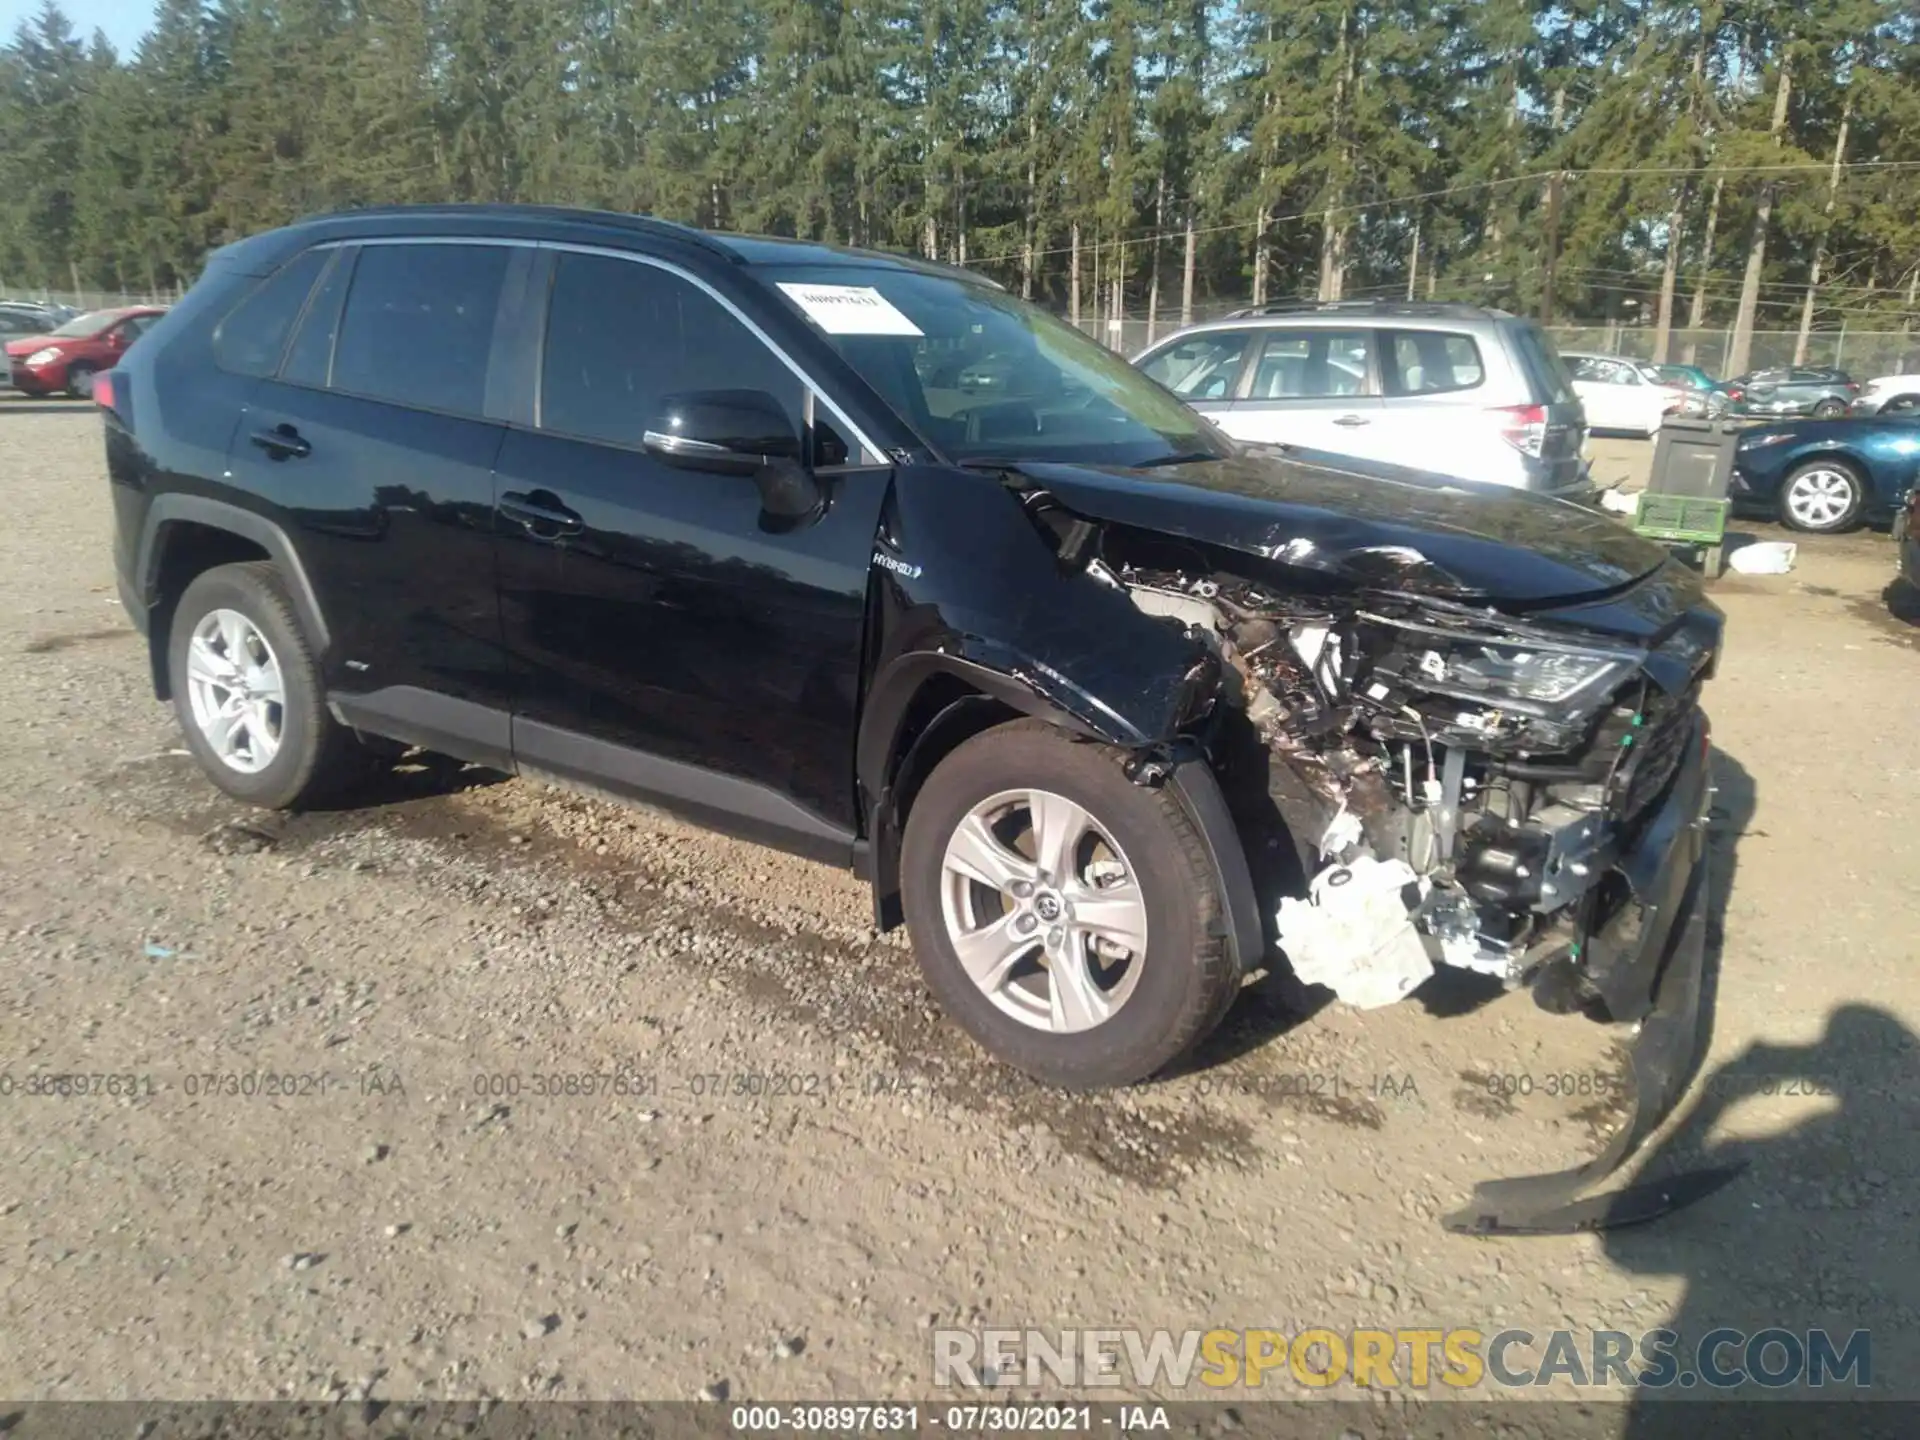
<point>541,513</point>
<point>282,442</point>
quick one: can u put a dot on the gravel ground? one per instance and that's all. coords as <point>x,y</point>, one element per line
<point>804,1168</point>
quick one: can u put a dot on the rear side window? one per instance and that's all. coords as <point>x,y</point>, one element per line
<point>1430,362</point>
<point>1202,367</point>
<point>1312,364</point>
<point>254,334</point>
<point>621,336</point>
<point>418,326</point>
<point>1546,376</point>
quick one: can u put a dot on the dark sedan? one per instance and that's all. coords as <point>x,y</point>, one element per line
<point>1776,394</point>
<point>1827,475</point>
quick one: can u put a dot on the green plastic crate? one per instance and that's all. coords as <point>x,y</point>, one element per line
<point>1681,518</point>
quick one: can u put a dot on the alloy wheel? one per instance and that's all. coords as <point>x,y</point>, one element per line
<point>1043,910</point>
<point>1820,498</point>
<point>236,692</point>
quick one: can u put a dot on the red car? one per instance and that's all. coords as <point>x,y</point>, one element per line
<point>67,359</point>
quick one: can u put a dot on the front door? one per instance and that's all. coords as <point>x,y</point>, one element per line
<point>666,638</point>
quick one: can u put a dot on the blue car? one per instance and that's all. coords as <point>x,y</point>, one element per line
<point>1825,476</point>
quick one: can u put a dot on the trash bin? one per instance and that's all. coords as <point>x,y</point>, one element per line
<point>1685,503</point>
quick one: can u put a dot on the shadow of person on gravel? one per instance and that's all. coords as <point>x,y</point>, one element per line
<point>1818,1234</point>
<point>1818,1231</point>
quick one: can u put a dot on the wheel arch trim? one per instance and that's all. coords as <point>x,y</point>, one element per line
<point>173,509</point>
<point>881,760</point>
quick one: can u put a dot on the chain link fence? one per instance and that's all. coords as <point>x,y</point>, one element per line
<point>86,299</point>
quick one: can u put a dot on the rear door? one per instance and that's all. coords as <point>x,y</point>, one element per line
<point>372,434</point>
<point>1313,387</point>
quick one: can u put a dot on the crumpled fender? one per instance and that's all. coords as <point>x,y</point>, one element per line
<point>1045,638</point>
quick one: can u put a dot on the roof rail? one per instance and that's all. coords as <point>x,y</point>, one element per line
<point>1409,308</point>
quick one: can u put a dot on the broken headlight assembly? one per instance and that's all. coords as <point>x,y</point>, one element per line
<point>1525,677</point>
<point>1518,674</point>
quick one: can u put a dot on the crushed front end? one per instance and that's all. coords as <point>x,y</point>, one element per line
<point>1523,795</point>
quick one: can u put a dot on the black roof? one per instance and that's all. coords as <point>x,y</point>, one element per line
<point>549,221</point>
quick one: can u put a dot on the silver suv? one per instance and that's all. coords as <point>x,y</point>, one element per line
<point>1455,389</point>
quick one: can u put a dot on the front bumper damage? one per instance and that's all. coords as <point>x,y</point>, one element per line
<point>1648,962</point>
<point>1442,816</point>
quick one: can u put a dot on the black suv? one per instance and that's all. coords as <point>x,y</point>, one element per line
<point>1108,708</point>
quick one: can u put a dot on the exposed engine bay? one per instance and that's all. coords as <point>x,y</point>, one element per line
<point>1464,779</point>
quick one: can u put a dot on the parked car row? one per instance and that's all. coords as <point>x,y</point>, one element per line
<point>64,359</point>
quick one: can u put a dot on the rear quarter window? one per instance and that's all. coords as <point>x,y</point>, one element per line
<point>1430,362</point>
<point>253,336</point>
<point>1540,363</point>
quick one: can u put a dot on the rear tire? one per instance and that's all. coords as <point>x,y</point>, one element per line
<point>249,695</point>
<point>1829,410</point>
<point>1119,894</point>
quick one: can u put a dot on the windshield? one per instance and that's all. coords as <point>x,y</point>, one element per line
<point>983,376</point>
<point>83,326</point>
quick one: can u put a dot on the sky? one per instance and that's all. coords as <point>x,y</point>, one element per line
<point>125,21</point>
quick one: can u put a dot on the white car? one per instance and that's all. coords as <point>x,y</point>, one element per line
<point>1888,395</point>
<point>1620,394</point>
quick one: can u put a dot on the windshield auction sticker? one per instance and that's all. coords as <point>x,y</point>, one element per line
<point>850,309</point>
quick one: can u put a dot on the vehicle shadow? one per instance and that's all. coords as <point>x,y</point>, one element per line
<point>1902,601</point>
<point>409,777</point>
<point>45,407</point>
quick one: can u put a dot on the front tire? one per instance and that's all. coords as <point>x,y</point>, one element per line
<point>1068,918</point>
<point>1821,497</point>
<point>80,380</point>
<point>248,692</point>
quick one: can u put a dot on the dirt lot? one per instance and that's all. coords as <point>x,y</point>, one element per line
<point>820,1167</point>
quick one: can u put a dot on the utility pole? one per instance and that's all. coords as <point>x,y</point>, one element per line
<point>1073,287</point>
<point>1553,213</point>
<point>1413,260</point>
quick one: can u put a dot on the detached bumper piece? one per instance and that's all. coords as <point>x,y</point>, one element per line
<point>1648,963</point>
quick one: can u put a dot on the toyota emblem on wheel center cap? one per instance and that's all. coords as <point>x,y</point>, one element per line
<point>1047,906</point>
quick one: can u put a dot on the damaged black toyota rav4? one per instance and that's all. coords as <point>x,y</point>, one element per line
<point>867,559</point>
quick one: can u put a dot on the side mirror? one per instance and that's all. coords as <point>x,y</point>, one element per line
<point>738,432</point>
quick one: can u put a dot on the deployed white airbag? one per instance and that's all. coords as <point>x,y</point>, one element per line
<point>1355,935</point>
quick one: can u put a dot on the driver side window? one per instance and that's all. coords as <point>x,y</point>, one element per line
<point>623,335</point>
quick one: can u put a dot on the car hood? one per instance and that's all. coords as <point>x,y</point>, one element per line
<point>1366,524</point>
<point>27,344</point>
